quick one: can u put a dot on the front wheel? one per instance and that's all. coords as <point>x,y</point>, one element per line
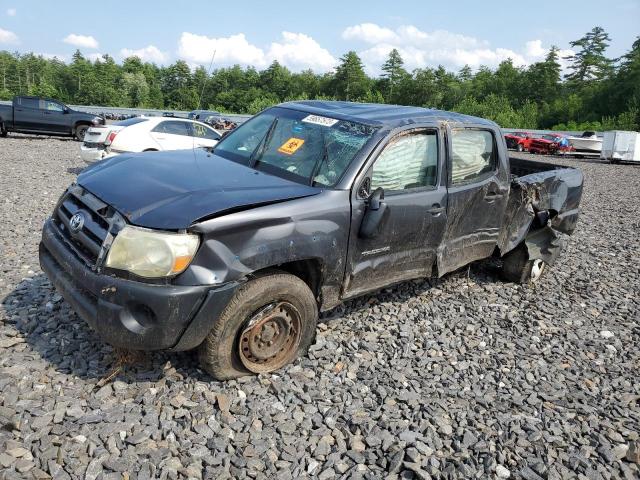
<point>269,322</point>
<point>520,147</point>
<point>518,268</point>
<point>80,132</point>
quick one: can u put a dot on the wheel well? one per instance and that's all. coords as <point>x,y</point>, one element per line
<point>80,124</point>
<point>151,150</point>
<point>309,271</point>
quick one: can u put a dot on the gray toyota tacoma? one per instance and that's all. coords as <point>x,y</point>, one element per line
<point>235,250</point>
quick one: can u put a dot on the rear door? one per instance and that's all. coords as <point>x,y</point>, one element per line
<point>53,117</point>
<point>173,135</point>
<point>27,114</point>
<point>478,181</point>
<point>408,168</point>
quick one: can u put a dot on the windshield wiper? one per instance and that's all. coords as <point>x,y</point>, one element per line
<point>320,161</point>
<point>256,155</point>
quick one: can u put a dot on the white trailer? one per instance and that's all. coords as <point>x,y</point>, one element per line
<point>619,146</point>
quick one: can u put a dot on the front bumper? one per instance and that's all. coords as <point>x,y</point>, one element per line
<point>129,314</point>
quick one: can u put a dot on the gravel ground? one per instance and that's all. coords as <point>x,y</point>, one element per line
<point>464,377</point>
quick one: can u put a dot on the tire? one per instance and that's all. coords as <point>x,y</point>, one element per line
<point>3,131</point>
<point>81,130</point>
<point>520,147</point>
<point>517,267</point>
<point>261,303</point>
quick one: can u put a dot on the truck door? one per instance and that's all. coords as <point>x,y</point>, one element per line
<point>53,117</point>
<point>26,114</point>
<point>409,221</point>
<point>478,193</point>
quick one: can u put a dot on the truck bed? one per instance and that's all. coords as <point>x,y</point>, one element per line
<point>539,188</point>
<point>520,167</point>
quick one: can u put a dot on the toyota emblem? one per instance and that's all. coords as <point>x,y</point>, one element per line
<point>76,222</point>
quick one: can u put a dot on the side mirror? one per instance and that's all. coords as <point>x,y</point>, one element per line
<point>374,215</point>
<point>375,199</point>
<point>66,110</point>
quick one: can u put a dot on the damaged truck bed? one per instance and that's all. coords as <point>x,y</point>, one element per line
<point>235,250</point>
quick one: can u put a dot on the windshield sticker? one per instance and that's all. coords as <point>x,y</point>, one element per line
<point>318,120</point>
<point>290,146</point>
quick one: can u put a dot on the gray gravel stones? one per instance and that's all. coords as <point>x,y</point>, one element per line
<point>463,377</point>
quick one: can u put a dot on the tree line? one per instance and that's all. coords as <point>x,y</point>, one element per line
<point>596,93</point>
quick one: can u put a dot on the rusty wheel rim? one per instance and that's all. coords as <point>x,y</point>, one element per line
<point>270,338</point>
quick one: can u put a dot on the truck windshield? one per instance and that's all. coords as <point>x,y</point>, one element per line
<point>306,148</point>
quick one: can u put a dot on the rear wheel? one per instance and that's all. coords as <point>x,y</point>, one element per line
<point>3,131</point>
<point>518,268</point>
<point>269,322</point>
<point>81,131</point>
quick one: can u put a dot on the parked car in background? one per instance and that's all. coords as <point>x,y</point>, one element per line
<point>303,206</point>
<point>202,114</point>
<point>143,134</point>
<point>519,141</point>
<point>550,144</point>
<point>45,116</point>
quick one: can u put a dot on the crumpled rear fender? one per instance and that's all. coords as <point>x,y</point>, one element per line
<point>542,206</point>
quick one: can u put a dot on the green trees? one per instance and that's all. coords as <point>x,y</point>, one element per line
<point>350,82</point>
<point>596,93</point>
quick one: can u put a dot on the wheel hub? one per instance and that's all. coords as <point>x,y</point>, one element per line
<point>536,269</point>
<point>270,338</point>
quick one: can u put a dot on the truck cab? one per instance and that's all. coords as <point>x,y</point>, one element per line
<point>234,250</point>
<point>46,116</point>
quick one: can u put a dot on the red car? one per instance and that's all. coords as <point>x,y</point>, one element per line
<point>519,141</point>
<point>550,144</point>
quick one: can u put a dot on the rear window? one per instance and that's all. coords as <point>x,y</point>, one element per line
<point>130,121</point>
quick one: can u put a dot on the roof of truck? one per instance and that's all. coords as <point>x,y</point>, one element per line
<point>381,115</point>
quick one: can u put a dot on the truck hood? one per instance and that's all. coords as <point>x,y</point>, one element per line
<point>173,190</point>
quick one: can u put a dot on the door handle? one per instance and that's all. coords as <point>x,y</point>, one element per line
<point>491,196</point>
<point>436,209</point>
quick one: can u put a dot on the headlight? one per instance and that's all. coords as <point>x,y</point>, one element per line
<point>149,253</point>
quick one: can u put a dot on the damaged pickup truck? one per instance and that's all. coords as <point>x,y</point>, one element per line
<point>235,250</point>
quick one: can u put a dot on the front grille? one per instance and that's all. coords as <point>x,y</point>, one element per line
<point>89,242</point>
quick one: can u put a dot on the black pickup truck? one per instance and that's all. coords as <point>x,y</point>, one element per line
<point>45,116</point>
<point>236,250</point>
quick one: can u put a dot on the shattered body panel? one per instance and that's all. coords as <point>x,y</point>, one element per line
<point>543,202</point>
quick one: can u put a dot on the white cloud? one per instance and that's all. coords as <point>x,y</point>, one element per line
<point>369,33</point>
<point>295,50</point>
<point>94,56</point>
<point>8,37</point>
<point>228,50</point>
<point>421,49</point>
<point>11,12</point>
<point>150,53</point>
<point>299,51</point>
<point>50,56</point>
<point>81,41</point>
<point>534,49</point>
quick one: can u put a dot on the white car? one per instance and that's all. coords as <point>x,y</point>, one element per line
<point>143,134</point>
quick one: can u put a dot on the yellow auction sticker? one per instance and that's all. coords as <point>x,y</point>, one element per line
<point>290,146</point>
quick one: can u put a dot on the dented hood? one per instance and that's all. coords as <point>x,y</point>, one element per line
<point>172,190</point>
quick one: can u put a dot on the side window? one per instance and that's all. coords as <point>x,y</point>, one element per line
<point>30,103</point>
<point>408,161</point>
<point>200,131</point>
<point>474,155</point>
<point>172,128</point>
<point>53,106</point>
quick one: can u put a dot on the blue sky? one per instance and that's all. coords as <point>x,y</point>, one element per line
<point>313,34</point>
